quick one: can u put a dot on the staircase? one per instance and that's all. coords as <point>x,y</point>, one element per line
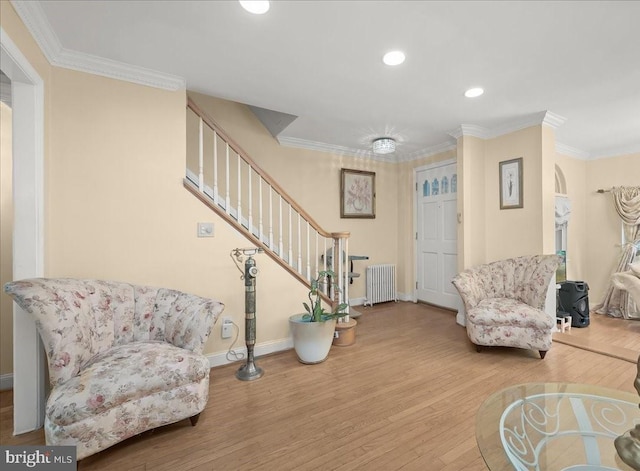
<point>226,179</point>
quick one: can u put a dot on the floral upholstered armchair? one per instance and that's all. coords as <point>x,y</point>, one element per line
<point>122,358</point>
<point>504,301</point>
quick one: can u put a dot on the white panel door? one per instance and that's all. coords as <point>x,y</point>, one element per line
<point>437,235</point>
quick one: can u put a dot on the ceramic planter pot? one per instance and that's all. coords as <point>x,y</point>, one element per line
<point>311,340</point>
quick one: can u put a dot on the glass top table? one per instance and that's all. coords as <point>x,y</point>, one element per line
<point>555,426</point>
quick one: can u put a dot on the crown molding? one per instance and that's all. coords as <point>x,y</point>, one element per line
<point>428,152</point>
<point>32,15</point>
<point>553,120</point>
<point>395,157</point>
<point>571,151</point>
<point>334,149</point>
<point>545,118</point>
<point>615,152</point>
<point>609,153</point>
<point>470,130</point>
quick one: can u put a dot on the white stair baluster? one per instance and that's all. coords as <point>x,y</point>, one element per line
<point>324,255</point>
<point>250,217</point>
<point>280,244</point>
<point>308,254</point>
<point>200,156</point>
<point>260,208</point>
<point>239,213</point>
<point>227,202</point>
<point>215,168</point>
<point>271,245</point>
<point>315,260</point>
<point>290,239</point>
<point>299,246</point>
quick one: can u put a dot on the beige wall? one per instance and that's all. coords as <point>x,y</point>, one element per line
<point>471,205</point>
<point>6,235</point>
<point>489,233</point>
<point>603,223</point>
<point>520,231</point>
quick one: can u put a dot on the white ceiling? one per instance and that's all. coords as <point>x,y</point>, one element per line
<point>321,61</point>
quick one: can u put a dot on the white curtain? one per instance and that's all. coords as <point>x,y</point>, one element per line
<point>617,303</point>
<point>563,211</point>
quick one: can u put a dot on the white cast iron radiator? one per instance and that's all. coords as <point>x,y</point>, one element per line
<point>381,284</point>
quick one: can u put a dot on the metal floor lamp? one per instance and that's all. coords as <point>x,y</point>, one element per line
<point>249,371</point>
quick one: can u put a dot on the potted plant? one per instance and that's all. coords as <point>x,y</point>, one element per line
<point>313,331</point>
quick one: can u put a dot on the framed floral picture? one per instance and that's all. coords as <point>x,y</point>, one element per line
<point>511,184</point>
<point>357,194</point>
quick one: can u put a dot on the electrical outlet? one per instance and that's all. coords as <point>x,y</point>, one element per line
<point>227,327</point>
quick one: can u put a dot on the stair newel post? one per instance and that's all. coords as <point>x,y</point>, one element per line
<point>339,259</point>
<point>347,266</point>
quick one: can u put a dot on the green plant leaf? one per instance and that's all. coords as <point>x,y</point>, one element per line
<point>341,307</point>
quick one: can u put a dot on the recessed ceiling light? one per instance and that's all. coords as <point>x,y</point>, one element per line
<point>474,92</point>
<point>393,58</point>
<point>257,7</point>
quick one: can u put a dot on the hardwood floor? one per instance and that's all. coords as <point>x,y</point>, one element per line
<point>404,397</point>
<point>615,337</point>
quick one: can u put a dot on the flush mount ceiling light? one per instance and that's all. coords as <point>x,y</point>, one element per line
<point>393,58</point>
<point>474,92</point>
<point>384,145</point>
<point>257,7</point>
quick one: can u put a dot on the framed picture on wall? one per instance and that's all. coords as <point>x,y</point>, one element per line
<point>511,184</point>
<point>357,194</point>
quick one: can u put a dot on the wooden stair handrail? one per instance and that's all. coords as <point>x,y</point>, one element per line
<point>265,176</point>
<point>252,238</point>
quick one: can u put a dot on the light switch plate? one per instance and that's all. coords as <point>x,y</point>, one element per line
<point>205,229</point>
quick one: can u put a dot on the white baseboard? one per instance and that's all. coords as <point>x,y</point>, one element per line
<point>220,358</point>
<point>401,297</point>
<point>356,301</point>
<point>6,382</point>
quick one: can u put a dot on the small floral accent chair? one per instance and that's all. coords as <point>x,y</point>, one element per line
<point>504,301</point>
<point>122,358</point>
